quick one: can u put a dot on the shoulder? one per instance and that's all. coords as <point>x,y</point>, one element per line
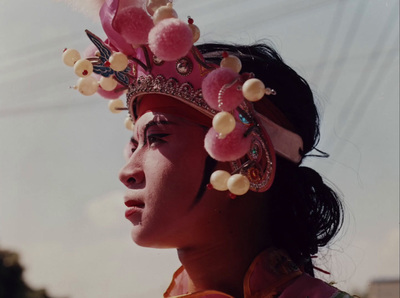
<point>308,286</point>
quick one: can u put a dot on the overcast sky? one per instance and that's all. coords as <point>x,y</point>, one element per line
<point>61,204</point>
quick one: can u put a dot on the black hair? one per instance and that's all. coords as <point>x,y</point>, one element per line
<point>304,213</point>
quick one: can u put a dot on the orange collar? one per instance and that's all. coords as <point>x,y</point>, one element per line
<point>268,275</point>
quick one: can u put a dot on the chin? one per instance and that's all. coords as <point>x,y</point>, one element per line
<point>151,241</point>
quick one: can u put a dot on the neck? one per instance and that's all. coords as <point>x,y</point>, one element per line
<point>222,264</point>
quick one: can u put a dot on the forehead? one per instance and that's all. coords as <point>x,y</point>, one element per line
<point>161,118</point>
<point>168,105</point>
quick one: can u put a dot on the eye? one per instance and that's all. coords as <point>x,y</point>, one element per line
<point>133,148</point>
<point>155,139</point>
<point>132,145</point>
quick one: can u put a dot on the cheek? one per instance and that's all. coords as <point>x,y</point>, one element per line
<point>179,173</point>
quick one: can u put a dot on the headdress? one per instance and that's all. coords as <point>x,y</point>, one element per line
<point>150,51</point>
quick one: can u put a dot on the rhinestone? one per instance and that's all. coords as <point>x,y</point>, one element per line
<point>184,66</point>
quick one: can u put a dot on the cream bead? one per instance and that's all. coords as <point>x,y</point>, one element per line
<point>164,12</point>
<point>70,56</point>
<point>253,89</point>
<point>115,105</point>
<point>118,61</point>
<point>128,123</point>
<point>108,84</point>
<point>153,5</point>
<point>83,68</point>
<point>238,184</point>
<point>224,123</point>
<point>87,86</point>
<point>195,32</point>
<point>232,62</point>
<point>219,180</point>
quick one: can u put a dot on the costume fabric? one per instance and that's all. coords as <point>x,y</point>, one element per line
<point>272,274</point>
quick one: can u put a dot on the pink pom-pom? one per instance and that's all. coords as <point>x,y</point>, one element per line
<point>214,83</point>
<point>170,39</point>
<point>232,147</point>
<point>134,24</point>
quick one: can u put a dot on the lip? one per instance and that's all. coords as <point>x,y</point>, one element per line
<point>134,208</point>
<point>134,203</point>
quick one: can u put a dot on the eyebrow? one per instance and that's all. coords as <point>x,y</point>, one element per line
<point>154,123</point>
<point>150,124</point>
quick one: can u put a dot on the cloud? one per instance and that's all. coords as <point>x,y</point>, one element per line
<point>389,254</point>
<point>106,211</point>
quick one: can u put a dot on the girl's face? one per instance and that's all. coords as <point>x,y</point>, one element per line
<point>163,174</point>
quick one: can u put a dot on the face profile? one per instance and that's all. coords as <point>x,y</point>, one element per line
<point>163,175</point>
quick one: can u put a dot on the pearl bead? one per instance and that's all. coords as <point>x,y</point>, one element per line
<point>164,12</point>
<point>83,68</point>
<point>87,86</point>
<point>153,5</point>
<point>108,84</point>
<point>113,105</point>
<point>238,184</point>
<point>118,61</point>
<point>70,56</point>
<point>224,123</point>
<point>195,32</point>
<point>232,62</point>
<point>128,123</point>
<point>253,89</point>
<point>219,180</point>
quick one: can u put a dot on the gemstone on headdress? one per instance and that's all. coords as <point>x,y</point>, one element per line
<point>255,151</point>
<point>184,66</point>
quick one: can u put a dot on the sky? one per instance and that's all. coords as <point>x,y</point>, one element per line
<point>61,204</point>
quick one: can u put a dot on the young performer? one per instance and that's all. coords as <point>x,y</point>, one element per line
<point>213,168</point>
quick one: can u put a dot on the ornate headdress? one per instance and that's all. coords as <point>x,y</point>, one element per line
<point>150,51</point>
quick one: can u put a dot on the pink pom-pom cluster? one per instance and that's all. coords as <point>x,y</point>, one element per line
<point>234,146</point>
<point>170,39</point>
<point>220,90</point>
<point>134,24</point>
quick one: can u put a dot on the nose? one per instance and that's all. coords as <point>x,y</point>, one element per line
<point>131,175</point>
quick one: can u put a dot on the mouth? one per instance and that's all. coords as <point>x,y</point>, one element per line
<point>134,208</point>
<point>133,203</point>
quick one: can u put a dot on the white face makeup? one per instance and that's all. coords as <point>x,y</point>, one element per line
<point>163,174</point>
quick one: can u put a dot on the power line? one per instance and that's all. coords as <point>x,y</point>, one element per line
<point>370,92</point>
<point>346,46</point>
<point>268,12</point>
<point>367,84</point>
<point>329,40</point>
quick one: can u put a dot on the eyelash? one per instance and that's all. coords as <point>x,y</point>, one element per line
<point>152,139</point>
<point>134,147</point>
<point>155,138</point>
